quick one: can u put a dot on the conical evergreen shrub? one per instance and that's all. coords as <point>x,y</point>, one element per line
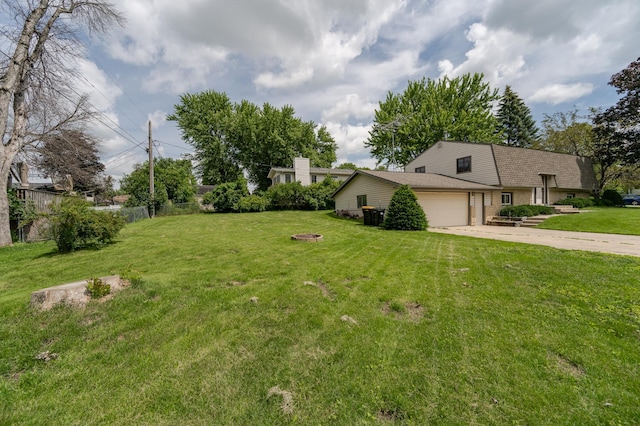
<point>404,213</point>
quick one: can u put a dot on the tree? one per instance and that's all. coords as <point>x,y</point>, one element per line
<point>226,197</point>
<point>74,153</point>
<point>36,69</point>
<point>272,137</point>
<point>173,181</point>
<point>566,132</point>
<point>204,120</point>
<point>571,133</point>
<point>406,124</point>
<point>516,125</point>
<point>404,213</point>
<point>617,129</point>
<point>347,166</point>
<point>229,138</point>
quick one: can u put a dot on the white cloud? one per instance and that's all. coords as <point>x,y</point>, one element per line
<point>499,55</point>
<point>555,94</point>
<point>334,60</point>
<point>350,106</point>
<point>350,139</point>
<point>102,91</point>
<point>158,118</point>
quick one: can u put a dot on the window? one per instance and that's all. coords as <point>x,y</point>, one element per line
<point>278,179</point>
<point>362,200</point>
<point>464,164</point>
<point>420,169</point>
<point>314,179</point>
<point>506,198</point>
<point>571,195</point>
<point>287,178</point>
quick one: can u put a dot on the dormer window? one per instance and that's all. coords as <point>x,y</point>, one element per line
<point>463,165</point>
<point>420,169</point>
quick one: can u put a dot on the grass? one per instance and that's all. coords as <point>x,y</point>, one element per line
<point>366,327</point>
<point>607,220</point>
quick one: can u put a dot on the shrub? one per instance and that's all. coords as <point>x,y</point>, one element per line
<point>22,210</point>
<point>319,194</point>
<point>225,197</point>
<point>288,196</point>
<point>611,198</point>
<point>98,288</point>
<point>74,225</point>
<point>525,210</point>
<point>578,203</point>
<point>404,212</point>
<point>252,203</point>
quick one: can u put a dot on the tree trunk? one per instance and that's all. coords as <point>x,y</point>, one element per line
<point>7,154</point>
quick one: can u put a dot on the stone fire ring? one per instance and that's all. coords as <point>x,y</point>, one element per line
<point>312,238</point>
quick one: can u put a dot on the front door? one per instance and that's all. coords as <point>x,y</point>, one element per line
<point>479,203</point>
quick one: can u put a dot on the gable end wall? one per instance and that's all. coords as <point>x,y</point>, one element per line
<point>441,158</point>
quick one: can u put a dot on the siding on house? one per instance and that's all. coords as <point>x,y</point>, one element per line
<point>441,158</point>
<point>378,194</point>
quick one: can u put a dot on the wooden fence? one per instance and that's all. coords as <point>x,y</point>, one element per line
<point>39,229</point>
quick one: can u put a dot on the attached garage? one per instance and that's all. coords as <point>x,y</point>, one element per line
<point>445,208</point>
<point>445,200</point>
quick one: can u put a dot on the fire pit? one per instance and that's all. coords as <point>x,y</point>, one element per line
<point>313,238</point>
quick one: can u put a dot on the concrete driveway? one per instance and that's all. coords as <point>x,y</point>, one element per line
<point>605,243</point>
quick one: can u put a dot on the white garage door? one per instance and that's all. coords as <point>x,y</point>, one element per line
<point>445,208</point>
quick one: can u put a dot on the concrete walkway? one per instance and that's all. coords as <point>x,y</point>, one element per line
<point>605,243</point>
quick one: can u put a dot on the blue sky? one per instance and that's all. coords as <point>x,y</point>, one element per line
<point>334,60</point>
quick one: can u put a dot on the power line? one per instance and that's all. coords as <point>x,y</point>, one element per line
<point>116,83</point>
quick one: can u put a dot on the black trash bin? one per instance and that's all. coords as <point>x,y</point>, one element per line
<point>377,217</point>
<point>367,213</point>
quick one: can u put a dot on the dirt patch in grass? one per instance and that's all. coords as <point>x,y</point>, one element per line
<point>287,398</point>
<point>567,366</point>
<point>326,292</point>
<point>412,311</point>
<point>390,415</point>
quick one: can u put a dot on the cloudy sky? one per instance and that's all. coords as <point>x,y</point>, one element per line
<point>334,60</point>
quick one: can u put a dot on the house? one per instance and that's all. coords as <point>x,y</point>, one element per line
<point>461,183</point>
<point>446,201</point>
<point>305,174</point>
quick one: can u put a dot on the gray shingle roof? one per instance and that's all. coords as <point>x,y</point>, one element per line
<point>518,167</point>
<point>312,171</point>
<point>421,181</point>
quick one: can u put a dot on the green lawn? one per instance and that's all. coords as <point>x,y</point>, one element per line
<point>607,220</point>
<point>440,329</point>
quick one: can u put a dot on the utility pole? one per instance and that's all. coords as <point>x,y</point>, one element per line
<point>152,207</point>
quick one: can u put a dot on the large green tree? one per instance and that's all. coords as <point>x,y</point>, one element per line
<point>204,120</point>
<point>617,129</point>
<point>229,138</point>
<point>427,111</point>
<point>567,132</point>
<point>173,181</point>
<point>572,133</point>
<point>516,125</point>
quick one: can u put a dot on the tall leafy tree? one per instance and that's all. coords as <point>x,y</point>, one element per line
<point>572,133</point>
<point>617,129</point>
<point>243,136</point>
<point>567,132</point>
<point>173,181</point>
<point>427,111</point>
<point>39,43</point>
<point>204,120</point>
<point>516,125</point>
<point>74,153</point>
